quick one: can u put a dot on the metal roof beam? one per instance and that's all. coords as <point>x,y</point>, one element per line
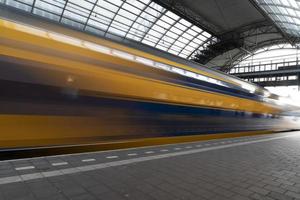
<point>177,7</point>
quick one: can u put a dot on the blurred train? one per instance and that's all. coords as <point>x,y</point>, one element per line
<point>61,90</point>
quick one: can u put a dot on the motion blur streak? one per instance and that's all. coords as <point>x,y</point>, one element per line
<point>62,93</point>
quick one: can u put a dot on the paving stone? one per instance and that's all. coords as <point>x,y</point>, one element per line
<point>111,195</point>
<point>260,171</point>
<point>275,189</point>
<point>56,197</point>
<point>279,196</point>
<point>223,192</point>
<point>270,181</point>
<point>83,197</point>
<point>242,191</point>
<point>158,194</point>
<point>15,191</point>
<point>137,195</point>
<point>256,196</point>
<point>239,197</point>
<point>259,190</point>
<point>292,188</point>
<point>28,196</point>
<point>72,191</point>
<point>293,194</point>
<point>286,182</point>
<point>202,193</point>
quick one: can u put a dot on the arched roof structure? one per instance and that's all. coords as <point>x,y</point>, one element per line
<point>143,21</point>
<point>241,26</point>
<point>216,33</point>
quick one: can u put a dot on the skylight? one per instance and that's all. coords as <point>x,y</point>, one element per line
<point>140,20</point>
<point>285,13</point>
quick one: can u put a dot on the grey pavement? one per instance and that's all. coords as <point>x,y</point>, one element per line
<point>253,167</point>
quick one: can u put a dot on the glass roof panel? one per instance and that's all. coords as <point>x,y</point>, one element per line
<point>54,7</point>
<point>141,20</point>
<point>285,13</point>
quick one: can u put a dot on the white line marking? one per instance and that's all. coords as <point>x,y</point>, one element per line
<point>188,147</point>
<point>59,164</point>
<point>164,150</point>
<point>112,157</point>
<point>88,160</point>
<point>120,150</point>
<point>149,152</point>
<point>132,154</point>
<point>199,145</point>
<point>74,170</point>
<point>24,168</point>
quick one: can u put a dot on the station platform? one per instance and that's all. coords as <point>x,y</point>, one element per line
<point>252,167</point>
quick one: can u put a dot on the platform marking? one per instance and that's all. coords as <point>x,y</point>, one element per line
<point>112,157</point>
<point>89,160</point>
<point>123,149</point>
<point>87,168</point>
<point>149,152</point>
<point>24,168</point>
<point>132,154</point>
<point>59,163</point>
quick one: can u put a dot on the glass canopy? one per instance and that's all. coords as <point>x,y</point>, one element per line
<point>140,20</point>
<point>285,13</point>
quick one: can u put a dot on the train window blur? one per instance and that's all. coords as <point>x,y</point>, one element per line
<point>202,78</point>
<point>191,74</point>
<point>29,30</point>
<point>177,70</point>
<point>65,39</point>
<point>123,55</point>
<point>163,66</point>
<point>98,48</point>
<point>145,61</point>
<point>114,52</point>
<point>212,80</point>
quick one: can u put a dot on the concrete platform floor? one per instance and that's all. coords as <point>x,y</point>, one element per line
<point>256,167</point>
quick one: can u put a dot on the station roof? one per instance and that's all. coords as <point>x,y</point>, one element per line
<point>140,20</point>
<point>242,26</point>
<point>220,31</point>
<point>222,15</point>
<point>285,13</point>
